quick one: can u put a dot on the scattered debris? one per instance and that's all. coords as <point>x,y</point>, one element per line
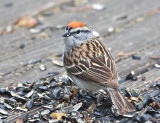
<point>59,100</point>
<point>98,7</point>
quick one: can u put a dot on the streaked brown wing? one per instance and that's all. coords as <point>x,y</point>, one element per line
<point>99,67</point>
<point>95,70</point>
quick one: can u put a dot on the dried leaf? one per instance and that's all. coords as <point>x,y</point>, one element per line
<point>22,21</point>
<point>154,11</point>
<point>20,120</point>
<point>32,22</point>
<point>57,115</point>
<point>27,21</point>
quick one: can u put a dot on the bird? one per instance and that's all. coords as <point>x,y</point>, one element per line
<point>90,65</point>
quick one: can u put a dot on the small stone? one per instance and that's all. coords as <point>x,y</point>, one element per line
<point>9,4</point>
<point>34,61</point>
<point>158,84</point>
<point>9,29</point>
<point>21,46</point>
<point>110,29</point>
<point>98,6</point>
<point>143,78</point>
<point>34,30</point>
<point>58,63</point>
<point>149,68</point>
<point>42,67</point>
<point>131,76</point>
<point>135,56</point>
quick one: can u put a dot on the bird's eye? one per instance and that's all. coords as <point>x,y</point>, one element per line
<point>78,31</point>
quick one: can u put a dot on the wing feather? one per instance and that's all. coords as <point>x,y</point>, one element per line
<point>100,68</point>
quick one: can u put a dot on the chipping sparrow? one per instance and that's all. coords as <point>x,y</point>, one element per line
<point>90,65</point>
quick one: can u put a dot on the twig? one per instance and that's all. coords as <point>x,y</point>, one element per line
<point>118,59</point>
<point>77,9</point>
<point>51,5</point>
<point>126,54</point>
<point>154,57</point>
<point>46,7</point>
<point>75,92</point>
<point>91,108</point>
<point>156,79</point>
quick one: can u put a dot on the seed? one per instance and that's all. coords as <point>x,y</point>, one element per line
<point>2,111</point>
<point>29,104</point>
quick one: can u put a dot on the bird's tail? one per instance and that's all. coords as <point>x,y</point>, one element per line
<point>120,102</point>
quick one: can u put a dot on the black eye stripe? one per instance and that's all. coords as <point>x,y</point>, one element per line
<point>79,31</point>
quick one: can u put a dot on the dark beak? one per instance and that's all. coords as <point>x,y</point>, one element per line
<point>66,34</point>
